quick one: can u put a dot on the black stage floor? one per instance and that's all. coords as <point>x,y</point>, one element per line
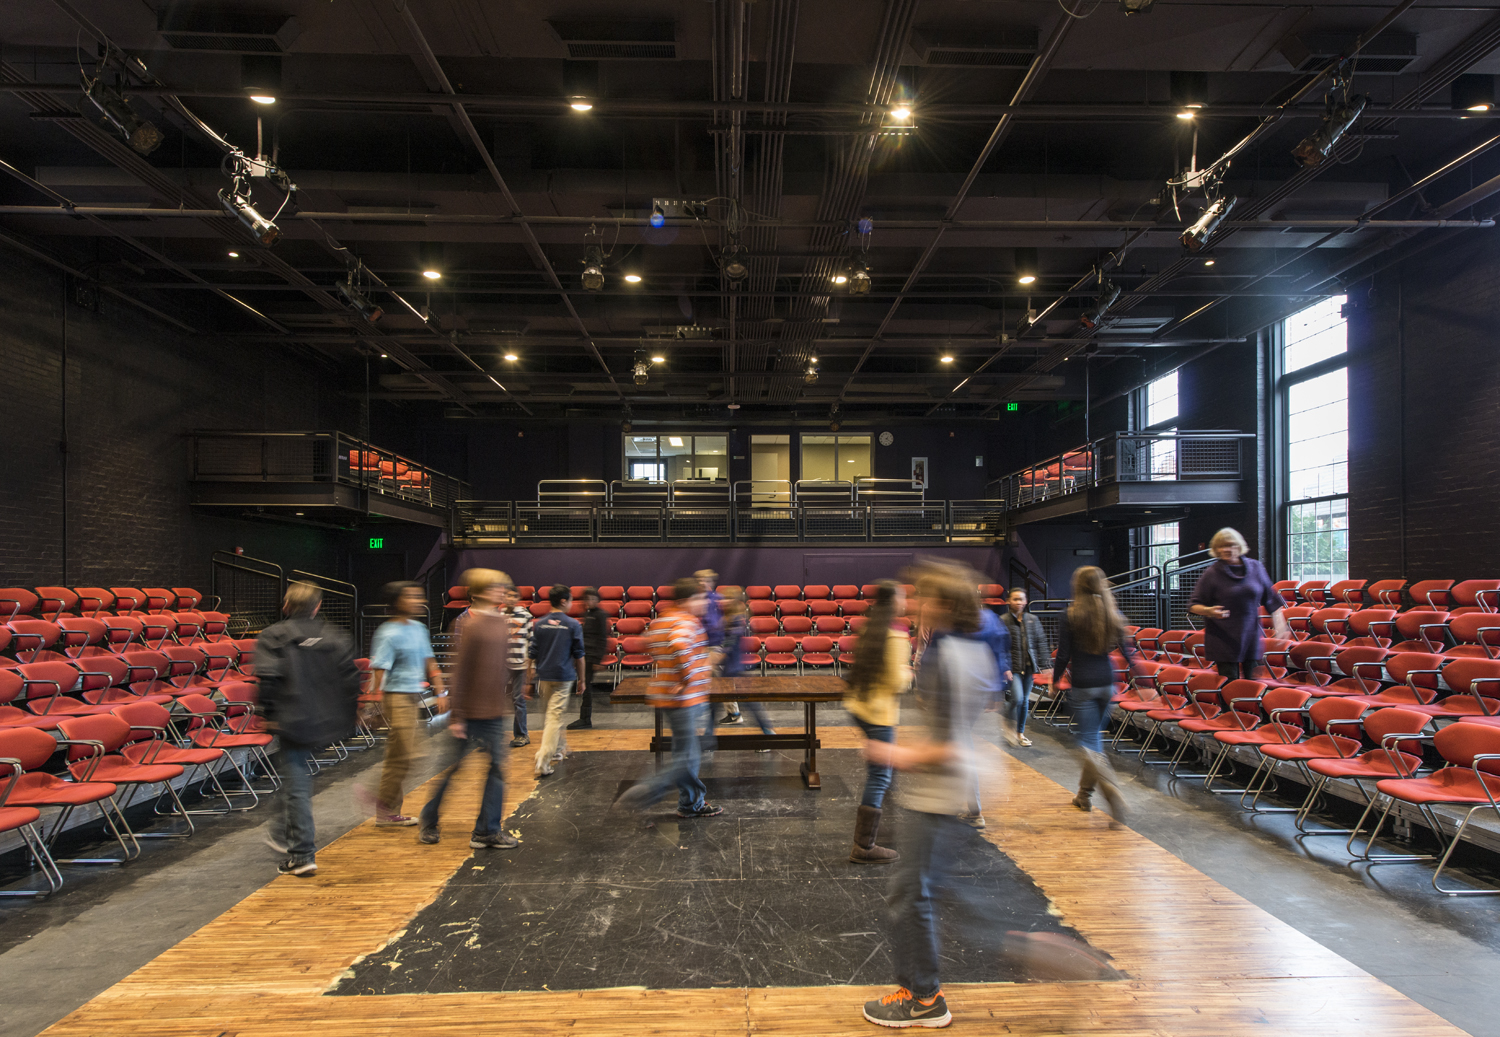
<point>763,895</point>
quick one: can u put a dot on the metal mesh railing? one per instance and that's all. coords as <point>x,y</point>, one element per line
<point>978,522</point>
<point>909,522</point>
<point>846,523</point>
<point>698,523</point>
<point>487,520</point>
<point>635,523</point>
<point>766,523</point>
<point>543,523</point>
<point>340,600</point>
<point>249,589</point>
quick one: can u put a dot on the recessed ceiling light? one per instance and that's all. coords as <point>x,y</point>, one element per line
<point>1479,107</point>
<point>1208,262</point>
<point>580,104</point>
<point>262,98</point>
<point>658,359</point>
<point>901,112</point>
<point>946,359</point>
<point>432,275</point>
<point>1186,114</point>
<point>511,356</point>
<point>1026,279</point>
<point>382,356</point>
<point>674,440</point>
<point>234,255</point>
<point>633,278</point>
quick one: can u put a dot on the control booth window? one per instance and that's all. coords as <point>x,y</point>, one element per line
<point>836,458</point>
<point>1314,384</point>
<point>671,457</point>
<point>1159,404</point>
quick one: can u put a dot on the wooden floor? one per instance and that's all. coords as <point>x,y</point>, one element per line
<point>1201,960</point>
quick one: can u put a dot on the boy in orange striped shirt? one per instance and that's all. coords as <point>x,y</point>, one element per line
<point>677,643</point>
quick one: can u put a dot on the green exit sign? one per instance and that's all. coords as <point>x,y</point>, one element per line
<point>1012,406</point>
<point>376,543</point>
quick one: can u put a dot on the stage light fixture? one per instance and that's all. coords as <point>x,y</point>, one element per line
<point>511,357</point>
<point>946,358</point>
<point>859,276</point>
<point>901,113</point>
<point>641,372</point>
<point>811,374</point>
<point>633,278</point>
<point>1472,93</point>
<point>142,136</point>
<point>431,253</point>
<point>1186,113</point>
<point>659,359</point>
<point>1314,149</point>
<point>658,218</point>
<point>1026,265</point>
<point>580,104</point>
<point>234,255</point>
<point>1196,236</point>
<point>238,205</point>
<point>262,98</point>
<point>735,261</point>
<point>1208,262</point>
<point>1108,293</point>
<point>593,268</point>
<point>362,303</point>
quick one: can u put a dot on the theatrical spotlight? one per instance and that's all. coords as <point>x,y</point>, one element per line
<point>1196,236</point>
<point>362,303</point>
<point>237,204</point>
<point>1108,293</point>
<point>593,269</point>
<point>735,261</point>
<point>1314,149</point>
<point>641,371</point>
<point>1136,6</point>
<point>142,136</point>
<point>657,218</point>
<point>859,277</point>
<point>811,374</point>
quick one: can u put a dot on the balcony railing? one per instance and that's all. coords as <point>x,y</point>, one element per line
<point>1125,457</point>
<point>318,457</point>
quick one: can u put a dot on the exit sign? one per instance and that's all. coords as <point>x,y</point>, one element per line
<point>376,543</point>
<point>1012,406</point>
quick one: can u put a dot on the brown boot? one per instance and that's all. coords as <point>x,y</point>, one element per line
<point>1086,781</point>
<point>866,824</point>
<point>1104,776</point>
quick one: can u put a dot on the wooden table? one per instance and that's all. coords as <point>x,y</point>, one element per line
<point>807,690</point>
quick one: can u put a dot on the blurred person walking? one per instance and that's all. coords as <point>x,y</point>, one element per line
<point>1229,596</point>
<point>1092,629</point>
<point>996,636</point>
<point>557,650</point>
<point>1029,657</point>
<point>401,660</point>
<point>880,673</point>
<point>520,671</point>
<point>955,674</point>
<point>680,687</point>
<point>309,693</point>
<point>732,656</point>
<point>480,704</point>
<point>595,645</point>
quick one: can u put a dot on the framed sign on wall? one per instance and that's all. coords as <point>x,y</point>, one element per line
<point>919,473</point>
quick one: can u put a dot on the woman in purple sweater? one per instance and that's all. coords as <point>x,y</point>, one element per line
<point>1229,596</point>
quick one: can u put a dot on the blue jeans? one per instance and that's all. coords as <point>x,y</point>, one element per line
<point>687,753</point>
<point>296,829</point>
<point>488,736</point>
<point>516,688</point>
<point>1020,699</point>
<point>758,711</point>
<point>929,843</point>
<point>877,776</point>
<point>1091,708</point>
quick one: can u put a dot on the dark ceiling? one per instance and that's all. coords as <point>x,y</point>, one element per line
<point>438,134</point>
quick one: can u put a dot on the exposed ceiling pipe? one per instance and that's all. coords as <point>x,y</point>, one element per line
<point>533,246</point>
<point>1024,90</point>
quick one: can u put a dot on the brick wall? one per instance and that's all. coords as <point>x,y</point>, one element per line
<point>1222,391</point>
<point>133,388</point>
<point>1424,394</point>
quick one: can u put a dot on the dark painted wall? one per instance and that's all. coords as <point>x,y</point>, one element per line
<point>1223,391</point>
<point>112,508</point>
<point>1424,417</point>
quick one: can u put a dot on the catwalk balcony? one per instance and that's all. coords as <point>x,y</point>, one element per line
<point>1127,476</point>
<point>316,477</point>
<point>581,511</point>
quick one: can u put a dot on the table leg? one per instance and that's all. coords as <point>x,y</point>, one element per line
<point>810,760</point>
<point>657,740</point>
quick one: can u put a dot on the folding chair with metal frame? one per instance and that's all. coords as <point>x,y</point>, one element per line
<point>26,819</point>
<point>1373,765</point>
<point>1319,743</point>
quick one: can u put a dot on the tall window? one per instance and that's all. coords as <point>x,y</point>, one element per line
<point>671,457</point>
<point>1315,402</point>
<point>836,458</point>
<point>1157,544</point>
<point>1161,416</point>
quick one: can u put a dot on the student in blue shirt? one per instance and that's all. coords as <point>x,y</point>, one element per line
<point>992,634</point>
<point>557,648</point>
<point>401,663</point>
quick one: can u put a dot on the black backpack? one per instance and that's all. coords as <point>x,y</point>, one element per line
<point>309,685</point>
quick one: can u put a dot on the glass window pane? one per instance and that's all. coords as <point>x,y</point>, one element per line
<point>854,458</point>
<point>1318,436</point>
<point>1161,399</point>
<point>710,457</point>
<point>1318,540</point>
<point>819,457</point>
<point>770,469</point>
<point>640,446</point>
<point>1314,334</point>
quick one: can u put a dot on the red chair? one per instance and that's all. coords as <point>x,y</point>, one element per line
<point>525,595</point>
<point>1330,624</point>
<point>764,626</point>
<point>46,687</point>
<point>82,636</point>
<point>544,593</point>
<point>637,655</point>
<point>94,747</point>
<point>187,598</point>
<point>868,591</point>
<point>18,752</point>
<point>1469,679</point>
<point>762,607</point>
<point>16,603</point>
<point>1320,742</point>
<point>845,592</point>
<point>817,651</point>
<point>1421,630</point>
<point>1274,704</point>
<point>216,626</point>
<point>758,593</point>
<point>1350,670</point>
<point>128,599</point>
<point>791,607</point>
<point>1146,692</point>
<point>28,751</point>
<point>665,592</point>
<point>1297,618</point>
<point>637,609</point>
<point>456,599</point>
<point>575,608</point>
<point>857,623</point>
<point>159,599</point>
<point>157,628</point>
<point>1371,627</point>
<point>123,632</point>
<point>541,608</point>
<point>1432,594</point>
<point>750,652</point>
<point>796,626</point>
<point>814,592</point>
<point>1198,701</point>
<point>1287,589</point>
<point>846,645</point>
<point>833,626</point>
<point>992,593</point>
<point>854,607</point>
<point>94,600</point>
<point>1394,759</point>
<point>613,592</point>
<point>1348,592</point>
<point>639,594</point>
<point>1470,779</point>
<point>189,627</point>
<point>11,683</point>
<point>611,606</point>
<point>1468,596</point>
<point>1415,676</point>
<point>632,626</point>
<point>1239,711</point>
<point>823,607</point>
<point>32,637</point>
<point>786,591</point>
<point>1476,635</point>
<point>611,661</point>
<point>52,602</point>
<point>106,680</point>
<point>209,728</point>
<point>780,651</point>
<point>577,592</point>
<point>1386,592</point>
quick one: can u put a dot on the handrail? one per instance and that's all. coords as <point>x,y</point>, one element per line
<point>1029,578</point>
<point>541,494</point>
<point>823,491</point>
<point>1168,567</point>
<point>213,560</point>
<point>753,493</point>
<point>918,493</point>
<point>323,581</point>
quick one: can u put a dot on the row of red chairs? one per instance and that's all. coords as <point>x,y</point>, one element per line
<point>782,599</point>
<point>73,636</point>
<point>1477,595</point>
<point>52,602</point>
<point>804,654</point>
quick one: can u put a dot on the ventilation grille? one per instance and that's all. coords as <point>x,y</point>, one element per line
<point>227,31</point>
<point>1389,54</point>
<point>617,41</point>
<point>222,42</point>
<point>953,48</point>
